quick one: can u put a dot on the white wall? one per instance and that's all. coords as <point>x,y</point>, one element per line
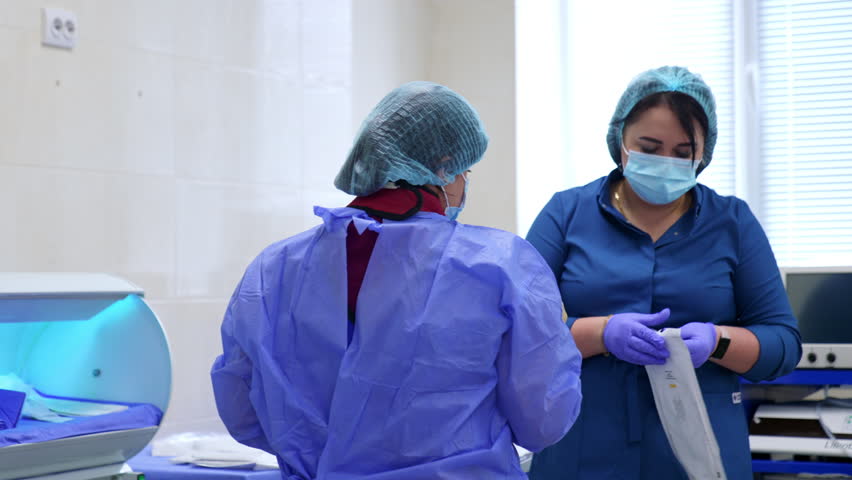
<point>473,52</point>
<point>542,123</point>
<point>466,45</point>
<point>169,147</point>
<point>390,46</point>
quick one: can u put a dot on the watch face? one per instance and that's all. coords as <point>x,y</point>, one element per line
<point>721,348</point>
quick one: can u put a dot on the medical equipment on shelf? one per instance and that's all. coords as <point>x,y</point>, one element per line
<point>821,298</point>
<point>820,428</point>
<point>93,357</point>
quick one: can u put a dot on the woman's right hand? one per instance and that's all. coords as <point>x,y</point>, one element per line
<point>629,337</point>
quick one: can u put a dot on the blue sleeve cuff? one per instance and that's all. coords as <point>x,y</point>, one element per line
<point>780,352</point>
<point>570,321</point>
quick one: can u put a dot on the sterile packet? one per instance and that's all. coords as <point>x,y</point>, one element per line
<point>683,413</point>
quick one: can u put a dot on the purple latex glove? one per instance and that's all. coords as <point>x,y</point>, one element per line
<point>628,337</point>
<point>700,339</point>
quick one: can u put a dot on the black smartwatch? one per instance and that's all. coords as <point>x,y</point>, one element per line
<point>722,347</point>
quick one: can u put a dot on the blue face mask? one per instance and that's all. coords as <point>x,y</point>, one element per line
<point>453,212</point>
<point>658,179</point>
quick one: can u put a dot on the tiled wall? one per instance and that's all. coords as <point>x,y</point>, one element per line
<point>173,143</point>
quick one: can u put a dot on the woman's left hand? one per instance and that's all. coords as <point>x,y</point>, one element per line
<point>700,339</point>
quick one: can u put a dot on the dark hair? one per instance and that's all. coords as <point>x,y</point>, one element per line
<point>685,108</point>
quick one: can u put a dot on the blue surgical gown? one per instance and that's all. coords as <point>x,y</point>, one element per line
<point>713,265</point>
<point>459,350</point>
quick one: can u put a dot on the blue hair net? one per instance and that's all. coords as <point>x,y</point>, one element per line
<point>664,79</point>
<point>421,132</point>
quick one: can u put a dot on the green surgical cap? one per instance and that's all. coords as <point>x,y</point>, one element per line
<point>664,79</point>
<point>421,132</point>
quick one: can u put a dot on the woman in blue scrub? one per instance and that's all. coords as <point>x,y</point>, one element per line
<point>392,342</point>
<point>646,247</point>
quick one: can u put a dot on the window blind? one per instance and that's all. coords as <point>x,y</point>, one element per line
<point>605,51</point>
<point>700,37</point>
<point>805,85</point>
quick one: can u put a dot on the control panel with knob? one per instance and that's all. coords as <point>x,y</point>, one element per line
<point>825,355</point>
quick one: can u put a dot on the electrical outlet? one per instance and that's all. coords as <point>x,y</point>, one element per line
<point>59,28</point>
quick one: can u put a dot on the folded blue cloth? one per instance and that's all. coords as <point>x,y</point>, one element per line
<point>32,431</point>
<point>11,404</point>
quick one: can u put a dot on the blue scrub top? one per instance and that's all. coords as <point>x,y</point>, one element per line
<point>459,350</point>
<point>715,265</point>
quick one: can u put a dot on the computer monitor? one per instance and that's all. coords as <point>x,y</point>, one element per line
<point>821,299</point>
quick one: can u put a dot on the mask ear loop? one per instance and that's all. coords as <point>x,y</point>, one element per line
<point>626,152</point>
<point>696,165</point>
<point>464,195</point>
<point>446,198</point>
